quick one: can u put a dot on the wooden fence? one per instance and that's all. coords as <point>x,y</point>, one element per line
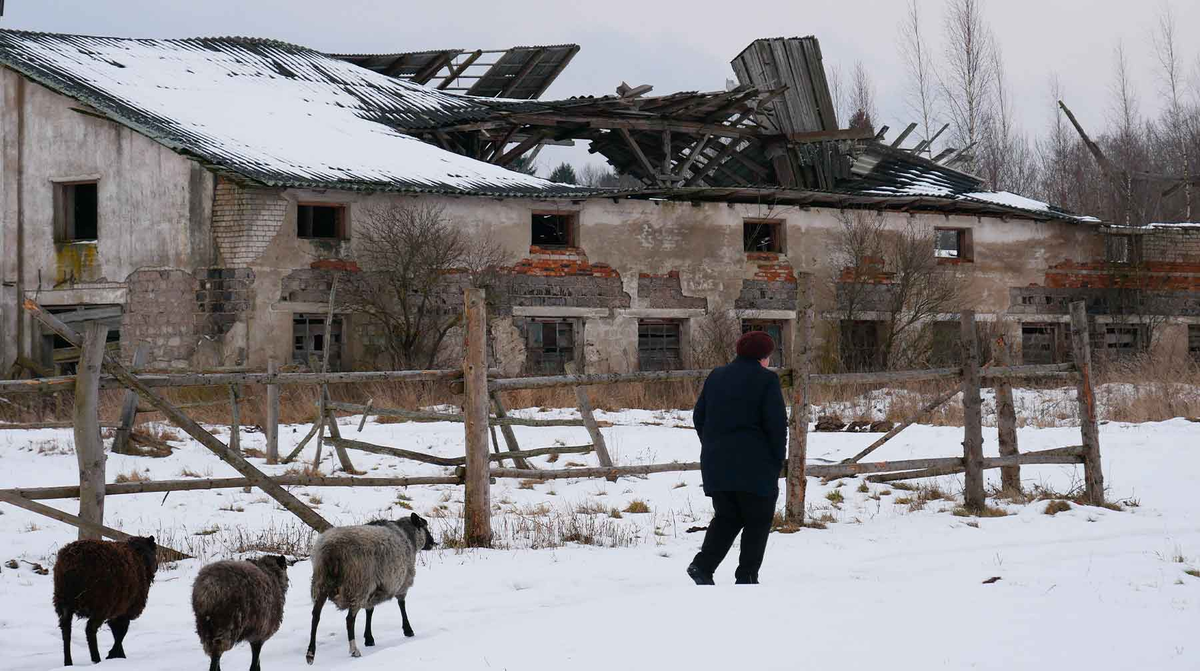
<point>484,412</point>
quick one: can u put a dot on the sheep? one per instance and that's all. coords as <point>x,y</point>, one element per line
<point>238,601</point>
<point>103,581</point>
<point>361,567</point>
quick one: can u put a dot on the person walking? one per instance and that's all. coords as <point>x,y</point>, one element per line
<point>742,422</point>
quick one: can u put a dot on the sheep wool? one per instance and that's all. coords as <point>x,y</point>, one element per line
<point>236,601</point>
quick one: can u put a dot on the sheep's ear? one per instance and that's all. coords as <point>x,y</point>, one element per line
<point>283,562</point>
<point>416,519</point>
<point>152,540</point>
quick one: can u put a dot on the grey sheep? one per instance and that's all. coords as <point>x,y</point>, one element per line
<point>238,601</point>
<point>361,567</point>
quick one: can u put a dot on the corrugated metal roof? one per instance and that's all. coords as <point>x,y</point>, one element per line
<point>273,112</point>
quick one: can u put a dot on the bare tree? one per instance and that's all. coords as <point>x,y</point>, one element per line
<point>414,261</point>
<point>862,99</point>
<point>1006,160</point>
<point>921,93</point>
<point>1171,75</point>
<point>839,92</point>
<point>893,271</point>
<point>968,73</point>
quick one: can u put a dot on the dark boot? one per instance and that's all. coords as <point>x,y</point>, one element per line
<point>746,580</point>
<point>700,576</point>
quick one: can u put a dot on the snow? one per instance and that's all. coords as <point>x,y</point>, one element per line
<point>1015,200</point>
<point>284,112</point>
<point>1177,224</point>
<point>883,587</point>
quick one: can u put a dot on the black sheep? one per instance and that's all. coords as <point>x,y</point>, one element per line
<point>239,601</point>
<point>103,581</point>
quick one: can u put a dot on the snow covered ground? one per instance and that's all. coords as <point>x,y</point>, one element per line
<point>889,584</point>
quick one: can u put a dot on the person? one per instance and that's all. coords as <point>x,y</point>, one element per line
<point>742,422</point>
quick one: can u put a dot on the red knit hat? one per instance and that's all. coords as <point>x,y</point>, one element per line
<point>755,345</point>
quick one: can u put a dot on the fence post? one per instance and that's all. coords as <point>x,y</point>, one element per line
<point>129,407</point>
<point>272,427</point>
<point>972,414</point>
<point>797,482</point>
<point>89,448</point>
<point>478,505</point>
<point>1082,346</point>
<point>235,420</point>
<point>1006,421</point>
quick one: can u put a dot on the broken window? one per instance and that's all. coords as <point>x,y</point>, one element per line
<point>772,328</point>
<point>1045,342</point>
<point>321,221</point>
<point>549,345</point>
<point>308,341</point>
<point>860,346</point>
<point>953,243</point>
<point>1123,249</point>
<point>1194,340</point>
<point>659,345</point>
<point>553,230</point>
<point>76,212</point>
<point>762,235</point>
<point>1124,339</point>
<point>60,356</point>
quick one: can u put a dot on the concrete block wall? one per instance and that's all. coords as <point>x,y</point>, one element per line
<point>179,314</point>
<point>1172,245</point>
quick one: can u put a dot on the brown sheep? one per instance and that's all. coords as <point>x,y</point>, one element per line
<point>103,581</point>
<point>238,601</point>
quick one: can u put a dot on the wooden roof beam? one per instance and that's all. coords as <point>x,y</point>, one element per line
<point>711,164</point>
<point>530,64</point>
<point>459,69</point>
<point>641,156</point>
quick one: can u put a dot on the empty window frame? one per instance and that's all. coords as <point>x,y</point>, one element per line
<point>549,345</point>
<point>76,212</point>
<point>953,244</point>
<point>860,346</point>
<point>308,341</point>
<point>762,235</point>
<point>1045,342</point>
<point>59,355</point>
<point>1194,341</point>
<point>660,344</point>
<point>321,221</point>
<point>553,230</point>
<point>1124,339</point>
<point>772,328</point>
<point>1123,249</point>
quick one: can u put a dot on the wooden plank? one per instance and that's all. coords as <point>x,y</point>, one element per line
<point>155,380</point>
<point>190,427</point>
<point>421,415</point>
<point>510,436</point>
<point>796,487</point>
<point>1086,397</point>
<point>22,426</point>
<point>589,420</point>
<point>639,154</point>
<point>531,62</point>
<point>1006,421</point>
<point>129,407</point>
<point>335,434</point>
<point>477,508</point>
<point>1060,455</point>
<point>272,427</point>
<point>424,458</point>
<point>692,155</point>
<point>89,447</point>
<point>904,135</point>
<point>973,494</point>
<point>235,420</point>
<point>711,164</point>
<point>459,69</point>
<point>86,528</point>
<point>205,484</point>
<point>908,421</point>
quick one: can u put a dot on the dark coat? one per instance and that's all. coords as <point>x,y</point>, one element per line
<point>742,422</point>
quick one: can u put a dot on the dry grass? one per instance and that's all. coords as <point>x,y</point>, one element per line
<point>987,511</point>
<point>133,475</point>
<point>1192,572</point>
<point>1057,506</point>
<point>637,506</point>
<point>835,496</point>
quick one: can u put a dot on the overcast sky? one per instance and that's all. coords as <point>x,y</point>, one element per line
<point>677,45</point>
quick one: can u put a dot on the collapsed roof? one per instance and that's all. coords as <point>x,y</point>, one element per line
<point>275,113</point>
<point>522,73</point>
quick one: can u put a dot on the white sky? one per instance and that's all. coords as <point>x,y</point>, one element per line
<point>675,45</point>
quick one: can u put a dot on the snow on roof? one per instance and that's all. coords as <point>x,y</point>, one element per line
<point>1187,225</point>
<point>277,113</point>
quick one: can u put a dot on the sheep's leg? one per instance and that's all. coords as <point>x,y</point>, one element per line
<point>214,664</point>
<point>368,639</point>
<point>93,626</point>
<point>318,604</point>
<point>404,613</point>
<point>350,613</point>
<point>64,623</point>
<point>119,627</point>
<point>255,651</point>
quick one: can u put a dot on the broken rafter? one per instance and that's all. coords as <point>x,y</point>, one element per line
<point>530,63</point>
<point>693,154</point>
<point>1119,177</point>
<point>525,145</point>
<point>641,156</point>
<point>459,69</point>
<point>711,164</point>
<point>904,135</point>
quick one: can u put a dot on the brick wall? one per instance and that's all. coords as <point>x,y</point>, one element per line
<point>560,278</point>
<point>245,220</point>
<point>173,311</point>
<point>665,291</point>
<point>771,267</point>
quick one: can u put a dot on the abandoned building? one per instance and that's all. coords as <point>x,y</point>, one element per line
<point>199,195</point>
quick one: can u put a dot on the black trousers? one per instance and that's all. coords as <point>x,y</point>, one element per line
<point>750,514</point>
